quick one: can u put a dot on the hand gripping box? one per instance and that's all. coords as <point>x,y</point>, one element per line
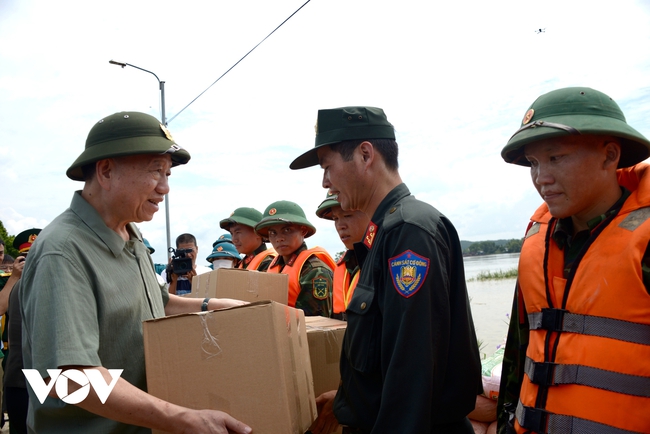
<point>241,285</point>
<point>250,361</point>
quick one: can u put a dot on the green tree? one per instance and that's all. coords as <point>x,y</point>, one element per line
<point>9,241</point>
<point>514,245</point>
<point>483,248</point>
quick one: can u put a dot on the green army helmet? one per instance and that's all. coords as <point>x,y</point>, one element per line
<point>223,238</point>
<point>576,111</point>
<point>345,123</point>
<point>224,250</point>
<point>24,240</point>
<point>283,211</point>
<point>127,133</point>
<point>324,210</point>
<point>243,216</point>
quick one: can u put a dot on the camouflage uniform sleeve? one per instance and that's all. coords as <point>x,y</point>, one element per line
<point>513,364</point>
<point>264,265</point>
<point>315,296</point>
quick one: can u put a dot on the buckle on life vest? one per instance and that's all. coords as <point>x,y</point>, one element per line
<point>543,373</point>
<point>532,419</point>
<point>552,319</point>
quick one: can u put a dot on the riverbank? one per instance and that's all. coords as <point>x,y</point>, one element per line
<point>495,275</point>
<point>491,299</point>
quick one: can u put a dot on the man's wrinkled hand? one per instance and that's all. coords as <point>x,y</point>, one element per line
<point>326,422</point>
<point>214,422</point>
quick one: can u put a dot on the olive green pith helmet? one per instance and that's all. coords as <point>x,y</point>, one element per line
<point>243,216</point>
<point>576,111</point>
<point>283,212</point>
<point>127,133</point>
<point>324,210</point>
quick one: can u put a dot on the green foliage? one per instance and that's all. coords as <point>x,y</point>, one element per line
<point>495,275</point>
<point>9,241</point>
<point>338,255</point>
<point>492,247</point>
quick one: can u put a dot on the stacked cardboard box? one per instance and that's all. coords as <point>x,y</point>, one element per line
<point>251,362</point>
<point>325,337</point>
<point>242,285</point>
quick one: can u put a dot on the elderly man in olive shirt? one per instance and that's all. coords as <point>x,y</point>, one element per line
<point>89,283</point>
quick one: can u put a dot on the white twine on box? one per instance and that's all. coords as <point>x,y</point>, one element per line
<point>209,342</point>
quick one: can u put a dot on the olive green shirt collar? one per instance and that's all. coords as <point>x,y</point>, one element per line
<point>563,233</point>
<point>93,219</point>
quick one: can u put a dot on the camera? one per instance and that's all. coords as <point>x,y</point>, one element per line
<point>181,263</point>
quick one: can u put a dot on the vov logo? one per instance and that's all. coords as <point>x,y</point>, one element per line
<point>87,378</point>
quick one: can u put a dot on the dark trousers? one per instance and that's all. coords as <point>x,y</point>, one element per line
<point>17,400</point>
<point>463,426</point>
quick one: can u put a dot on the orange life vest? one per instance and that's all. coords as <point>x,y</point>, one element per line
<point>257,260</point>
<point>344,284</point>
<point>589,341</point>
<point>294,269</point>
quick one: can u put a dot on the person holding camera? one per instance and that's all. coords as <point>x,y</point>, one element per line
<point>241,225</point>
<point>182,267</point>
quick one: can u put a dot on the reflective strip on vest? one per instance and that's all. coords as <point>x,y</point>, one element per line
<point>563,321</point>
<point>541,421</point>
<point>552,374</point>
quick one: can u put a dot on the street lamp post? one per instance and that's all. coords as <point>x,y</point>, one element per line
<point>163,120</point>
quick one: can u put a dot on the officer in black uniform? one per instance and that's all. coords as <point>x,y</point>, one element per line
<point>410,362</point>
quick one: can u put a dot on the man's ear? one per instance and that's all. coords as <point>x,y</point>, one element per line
<point>105,172</point>
<point>612,154</point>
<point>304,230</point>
<point>367,152</point>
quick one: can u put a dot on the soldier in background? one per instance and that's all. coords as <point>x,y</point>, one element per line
<point>310,270</point>
<point>15,386</point>
<point>351,226</point>
<point>223,255</point>
<point>241,225</point>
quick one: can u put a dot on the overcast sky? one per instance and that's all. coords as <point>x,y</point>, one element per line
<point>455,78</point>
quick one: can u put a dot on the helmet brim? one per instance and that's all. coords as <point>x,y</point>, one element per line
<point>634,146</point>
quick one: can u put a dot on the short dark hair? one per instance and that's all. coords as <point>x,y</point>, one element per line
<point>185,239</point>
<point>387,148</point>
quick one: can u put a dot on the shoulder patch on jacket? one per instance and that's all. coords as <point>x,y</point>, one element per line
<point>320,287</point>
<point>533,230</point>
<point>635,219</point>
<point>408,271</point>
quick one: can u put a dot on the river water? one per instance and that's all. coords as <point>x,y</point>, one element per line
<point>491,300</point>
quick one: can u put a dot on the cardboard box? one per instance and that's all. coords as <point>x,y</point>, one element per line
<point>325,337</point>
<point>242,285</point>
<point>250,361</point>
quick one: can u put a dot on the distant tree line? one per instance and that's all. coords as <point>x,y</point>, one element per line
<point>492,247</point>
